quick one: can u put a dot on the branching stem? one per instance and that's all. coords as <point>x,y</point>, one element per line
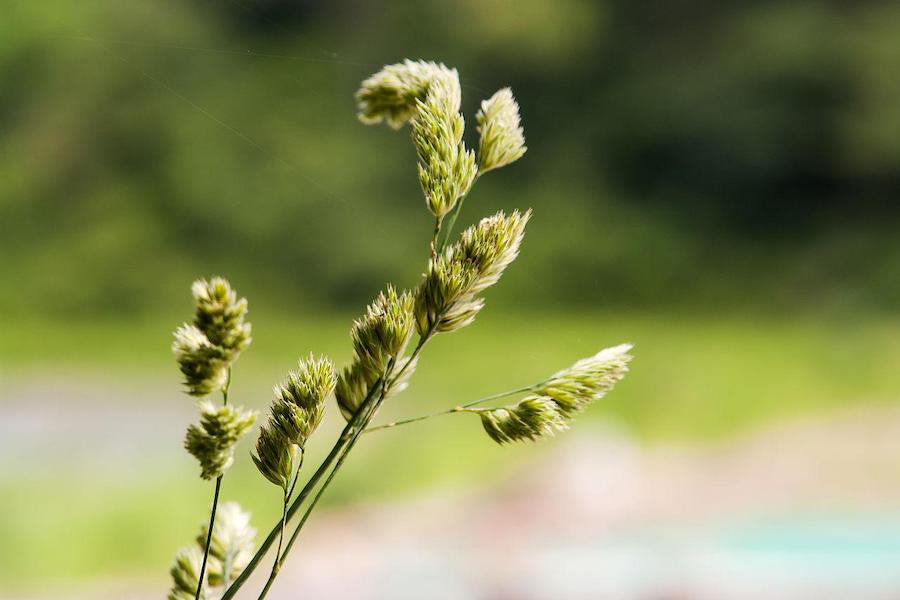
<point>455,409</point>
<point>288,492</point>
<point>368,410</point>
<point>342,440</point>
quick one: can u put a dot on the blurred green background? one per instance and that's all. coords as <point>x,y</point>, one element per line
<point>716,182</point>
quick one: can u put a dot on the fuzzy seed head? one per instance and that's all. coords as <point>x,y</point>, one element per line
<point>553,403</point>
<point>185,572</point>
<point>275,454</point>
<point>446,169</point>
<point>384,331</point>
<point>232,544</point>
<point>220,315</point>
<point>212,441</point>
<point>231,548</point>
<point>300,400</point>
<point>206,348</point>
<point>589,379</point>
<point>447,299</point>
<point>530,419</point>
<point>351,390</point>
<point>502,139</point>
<point>391,94</point>
<point>203,364</point>
<point>379,337</point>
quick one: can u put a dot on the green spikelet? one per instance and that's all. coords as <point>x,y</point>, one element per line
<point>379,337</point>
<point>206,348</point>
<point>203,364</point>
<point>231,548</point>
<point>502,140</point>
<point>212,441</point>
<point>447,300</point>
<point>587,380</point>
<point>185,574</point>
<point>275,455</point>
<point>296,412</point>
<point>446,169</point>
<point>529,419</point>
<point>551,404</point>
<point>390,95</point>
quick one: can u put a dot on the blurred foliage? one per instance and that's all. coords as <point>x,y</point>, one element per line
<point>727,154</point>
<point>693,378</point>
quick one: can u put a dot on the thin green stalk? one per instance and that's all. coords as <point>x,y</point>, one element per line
<point>455,213</point>
<point>212,513</point>
<point>345,436</point>
<point>434,236</point>
<point>284,513</point>
<point>212,522</point>
<point>455,409</point>
<point>369,413</point>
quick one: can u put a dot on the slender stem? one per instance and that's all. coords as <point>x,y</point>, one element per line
<point>328,480</point>
<point>345,436</point>
<point>455,409</point>
<point>435,235</point>
<point>226,387</point>
<point>455,213</point>
<point>297,472</point>
<point>276,566</point>
<point>212,522</point>
<point>215,504</point>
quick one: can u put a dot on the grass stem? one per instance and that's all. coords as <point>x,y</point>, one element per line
<point>456,409</point>
<point>215,504</point>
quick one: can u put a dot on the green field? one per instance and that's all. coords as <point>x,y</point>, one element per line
<point>692,379</point>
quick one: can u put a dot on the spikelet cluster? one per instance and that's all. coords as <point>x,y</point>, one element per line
<point>551,404</point>
<point>185,572</point>
<point>231,548</point>
<point>529,419</point>
<point>502,139</point>
<point>589,379</point>
<point>391,94</point>
<point>447,299</point>
<point>446,168</point>
<point>206,347</point>
<point>212,441</point>
<point>296,412</point>
<point>380,339</point>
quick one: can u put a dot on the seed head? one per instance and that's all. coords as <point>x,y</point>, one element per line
<point>185,574</point>
<point>446,169</point>
<point>275,454</point>
<point>447,300</point>
<point>379,338</point>
<point>555,401</point>
<point>532,418</point>
<point>231,548</point>
<point>203,364</point>
<point>212,441</point>
<point>206,348</point>
<point>295,414</point>
<point>587,380</point>
<point>390,94</point>
<point>232,544</point>
<point>384,331</point>
<point>300,401</point>
<point>220,315</point>
<point>502,140</point>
